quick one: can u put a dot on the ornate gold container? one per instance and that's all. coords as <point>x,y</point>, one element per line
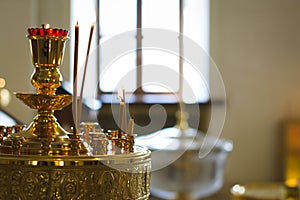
<point>105,177</point>
<point>44,161</point>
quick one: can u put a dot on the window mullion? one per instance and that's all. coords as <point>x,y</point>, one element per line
<point>180,49</point>
<point>139,46</point>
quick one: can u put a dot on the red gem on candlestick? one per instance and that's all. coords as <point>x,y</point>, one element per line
<point>61,32</point>
<point>42,32</point>
<point>65,32</point>
<point>35,31</point>
<point>50,31</point>
<point>47,32</point>
<point>56,32</point>
<point>29,31</point>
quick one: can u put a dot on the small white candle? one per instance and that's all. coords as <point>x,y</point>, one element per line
<point>131,127</point>
<point>122,113</point>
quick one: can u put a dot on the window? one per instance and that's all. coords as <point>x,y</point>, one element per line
<point>136,28</point>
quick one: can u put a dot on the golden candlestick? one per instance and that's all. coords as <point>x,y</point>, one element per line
<point>44,161</point>
<point>45,135</point>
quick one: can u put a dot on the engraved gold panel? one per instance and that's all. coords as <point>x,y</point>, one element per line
<point>76,177</point>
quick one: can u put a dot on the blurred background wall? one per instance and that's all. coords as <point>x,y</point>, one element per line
<point>254,43</point>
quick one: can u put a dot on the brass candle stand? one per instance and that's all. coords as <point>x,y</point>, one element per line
<point>44,161</point>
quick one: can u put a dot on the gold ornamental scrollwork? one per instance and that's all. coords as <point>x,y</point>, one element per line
<point>68,184</point>
<point>90,180</point>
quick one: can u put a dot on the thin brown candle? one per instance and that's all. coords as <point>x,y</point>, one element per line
<point>75,107</point>
<point>86,59</point>
<point>76,52</point>
<point>85,68</point>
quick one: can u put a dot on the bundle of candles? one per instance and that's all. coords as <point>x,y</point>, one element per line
<point>112,142</point>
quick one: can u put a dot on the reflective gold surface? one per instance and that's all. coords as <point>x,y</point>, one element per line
<point>44,135</point>
<point>76,177</point>
<point>43,161</point>
<point>47,54</point>
<point>45,102</point>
